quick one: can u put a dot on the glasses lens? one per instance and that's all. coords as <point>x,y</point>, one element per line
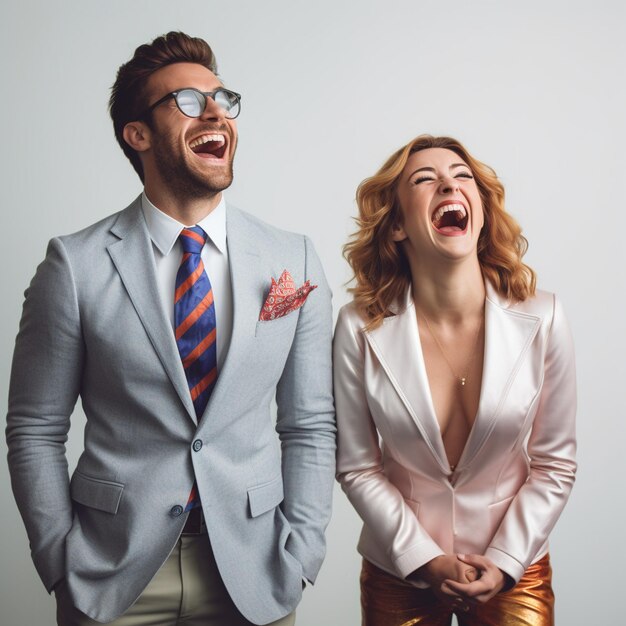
<point>191,102</point>
<point>228,101</point>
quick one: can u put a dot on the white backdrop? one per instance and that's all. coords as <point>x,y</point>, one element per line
<point>330,89</point>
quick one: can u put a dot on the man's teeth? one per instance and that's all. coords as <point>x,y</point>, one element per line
<point>449,207</point>
<point>206,138</point>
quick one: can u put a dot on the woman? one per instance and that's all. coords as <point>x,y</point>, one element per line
<point>455,395</point>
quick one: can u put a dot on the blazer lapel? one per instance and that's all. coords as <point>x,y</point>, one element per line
<point>396,343</point>
<point>508,334</point>
<point>242,259</point>
<point>397,346</point>
<point>134,260</point>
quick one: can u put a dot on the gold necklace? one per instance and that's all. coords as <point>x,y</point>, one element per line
<point>462,379</point>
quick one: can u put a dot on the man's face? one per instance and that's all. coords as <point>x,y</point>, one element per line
<point>192,157</point>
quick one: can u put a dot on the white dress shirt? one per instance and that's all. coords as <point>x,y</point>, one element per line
<point>168,252</point>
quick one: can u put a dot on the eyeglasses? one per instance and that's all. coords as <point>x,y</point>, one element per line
<point>192,102</point>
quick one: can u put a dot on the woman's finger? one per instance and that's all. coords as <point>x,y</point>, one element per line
<point>476,560</point>
<point>470,590</point>
<point>444,588</point>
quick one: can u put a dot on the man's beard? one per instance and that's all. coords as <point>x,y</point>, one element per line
<point>186,182</point>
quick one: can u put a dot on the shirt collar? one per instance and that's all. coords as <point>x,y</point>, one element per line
<point>164,230</point>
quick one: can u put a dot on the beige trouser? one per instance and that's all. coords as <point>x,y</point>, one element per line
<point>186,591</point>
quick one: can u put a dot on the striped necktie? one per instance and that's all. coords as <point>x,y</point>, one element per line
<point>194,322</point>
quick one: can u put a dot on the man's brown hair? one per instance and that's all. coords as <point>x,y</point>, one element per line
<point>127,101</point>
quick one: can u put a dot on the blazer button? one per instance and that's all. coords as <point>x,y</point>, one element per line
<point>176,511</point>
<point>197,445</point>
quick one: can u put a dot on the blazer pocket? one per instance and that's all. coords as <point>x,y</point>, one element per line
<point>278,325</point>
<point>265,497</point>
<point>104,495</point>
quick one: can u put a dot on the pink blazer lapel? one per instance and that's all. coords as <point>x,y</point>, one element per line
<point>508,335</point>
<point>397,346</point>
<point>396,343</point>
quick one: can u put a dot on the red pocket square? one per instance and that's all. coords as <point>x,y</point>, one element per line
<point>284,297</point>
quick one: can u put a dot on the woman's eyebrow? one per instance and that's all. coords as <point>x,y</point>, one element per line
<point>421,169</point>
<point>432,169</point>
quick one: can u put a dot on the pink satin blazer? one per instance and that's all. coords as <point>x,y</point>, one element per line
<point>517,469</point>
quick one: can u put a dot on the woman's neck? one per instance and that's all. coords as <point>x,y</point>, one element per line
<point>449,293</point>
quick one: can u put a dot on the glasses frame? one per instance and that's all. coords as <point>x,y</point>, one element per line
<point>204,94</point>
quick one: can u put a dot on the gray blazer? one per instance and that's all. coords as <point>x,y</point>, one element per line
<point>93,327</point>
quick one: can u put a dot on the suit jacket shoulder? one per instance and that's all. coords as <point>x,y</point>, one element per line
<point>262,232</point>
<point>540,304</point>
<point>548,309</point>
<point>100,234</point>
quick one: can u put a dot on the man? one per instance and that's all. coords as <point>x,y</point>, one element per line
<point>166,320</point>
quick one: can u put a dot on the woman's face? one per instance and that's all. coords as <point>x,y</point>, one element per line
<point>441,209</point>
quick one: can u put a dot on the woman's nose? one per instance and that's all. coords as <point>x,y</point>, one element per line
<point>448,185</point>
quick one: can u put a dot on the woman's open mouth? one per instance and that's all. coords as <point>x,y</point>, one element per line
<point>450,219</point>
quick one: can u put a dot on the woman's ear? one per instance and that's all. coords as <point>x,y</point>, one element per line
<point>137,136</point>
<point>397,233</point>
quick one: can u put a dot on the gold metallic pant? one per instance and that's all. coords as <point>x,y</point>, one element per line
<point>390,601</point>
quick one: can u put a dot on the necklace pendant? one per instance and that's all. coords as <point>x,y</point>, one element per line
<point>463,382</point>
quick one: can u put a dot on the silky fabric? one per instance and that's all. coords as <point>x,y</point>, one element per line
<point>167,252</point>
<point>390,601</point>
<point>195,328</point>
<point>194,319</point>
<point>517,467</point>
<point>187,590</point>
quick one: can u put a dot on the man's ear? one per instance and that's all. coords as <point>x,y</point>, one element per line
<point>137,135</point>
<point>398,233</point>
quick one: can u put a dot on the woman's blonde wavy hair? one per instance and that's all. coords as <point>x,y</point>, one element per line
<point>381,269</point>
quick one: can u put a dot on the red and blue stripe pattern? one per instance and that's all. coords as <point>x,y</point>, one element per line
<point>194,323</point>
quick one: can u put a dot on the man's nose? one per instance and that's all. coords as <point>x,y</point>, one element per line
<point>212,111</point>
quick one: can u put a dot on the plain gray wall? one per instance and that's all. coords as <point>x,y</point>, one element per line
<point>330,89</point>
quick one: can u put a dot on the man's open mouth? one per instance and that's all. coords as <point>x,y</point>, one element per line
<point>450,218</point>
<point>209,145</point>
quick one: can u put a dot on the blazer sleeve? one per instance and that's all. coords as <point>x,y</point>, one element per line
<point>360,467</point>
<point>551,449</point>
<point>306,424</point>
<point>45,381</point>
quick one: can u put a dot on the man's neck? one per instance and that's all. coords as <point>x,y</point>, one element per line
<point>187,211</point>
